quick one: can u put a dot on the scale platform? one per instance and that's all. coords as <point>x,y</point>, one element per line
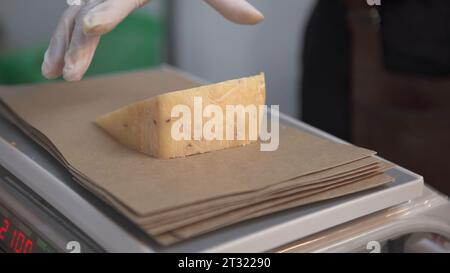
<point>40,200</point>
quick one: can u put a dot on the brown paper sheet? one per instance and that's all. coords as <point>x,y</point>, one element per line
<point>64,114</point>
<point>180,198</point>
<point>247,214</point>
<point>156,220</point>
<point>315,178</point>
<point>265,200</point>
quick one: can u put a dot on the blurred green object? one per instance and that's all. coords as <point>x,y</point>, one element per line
<point>138,42</point>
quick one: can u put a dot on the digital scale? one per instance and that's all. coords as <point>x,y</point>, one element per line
<point>28,224</point>
<point>43,210</point>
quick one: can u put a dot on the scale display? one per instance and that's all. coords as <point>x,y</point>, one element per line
<point>17,237</point>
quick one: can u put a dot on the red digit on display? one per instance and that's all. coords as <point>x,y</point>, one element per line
<point>4,228</point>
<point>19,242</point>
<point>28,246</point>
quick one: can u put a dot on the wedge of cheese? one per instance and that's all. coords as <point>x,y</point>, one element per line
<point>156,127</point>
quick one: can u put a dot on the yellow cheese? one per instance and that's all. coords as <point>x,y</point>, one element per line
<point>148,126</point>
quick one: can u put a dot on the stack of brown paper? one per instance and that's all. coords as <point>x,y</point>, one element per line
<point>173,200</point>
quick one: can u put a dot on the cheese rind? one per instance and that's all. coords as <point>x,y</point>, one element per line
<point>146,126</point>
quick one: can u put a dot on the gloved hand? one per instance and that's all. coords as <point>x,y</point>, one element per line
<point>75,40</point>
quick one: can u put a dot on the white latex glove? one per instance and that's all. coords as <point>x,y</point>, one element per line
<point>75,40</point>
